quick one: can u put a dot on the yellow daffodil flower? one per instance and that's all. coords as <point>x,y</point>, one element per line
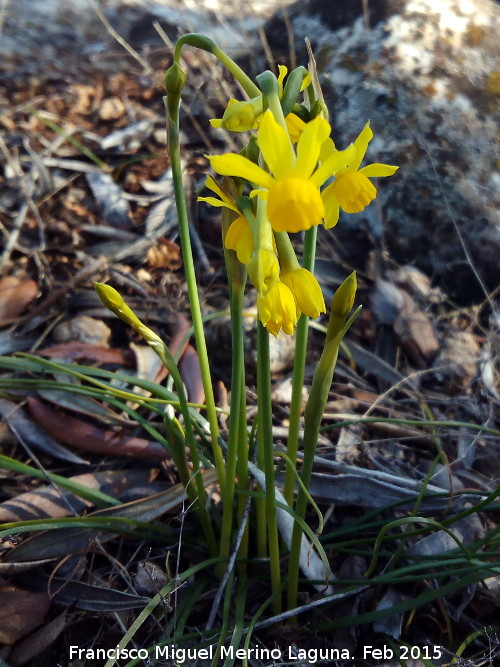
<point>240,116</point>
<point>352,190</point>
<point>239,236</point>
<point>277,309</point>
<point>306,292</point>
<point>291,190</point>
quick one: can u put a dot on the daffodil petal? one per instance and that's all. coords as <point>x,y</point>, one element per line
<point>377,170</point>
<point>239,237</point>
<point>217,202</point>
<point>295,126</point>
<point>309,146</point>
<point>261,194</point>
<point>361,144</point>
<point>332,206</point>
<point>277,309</point>
<point>306,291</point>
<point>282,72</point>
<point>294,204</point>
<point>212,184</point>
<point>231,164</point>
<point>337,161</point>
<point>306,81</point>
<point>276,147</point>
<point>327,149</point>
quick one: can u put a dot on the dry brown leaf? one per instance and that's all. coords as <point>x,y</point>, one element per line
<point>165,255</point>
<point>49,501</point>
<point>10,569</point>
<point>458,361</point>
<point>38,641</point>
<point>20,612</point>
<point>31,434</point>
<point>15,295</point>
<point>84,435</point>
<point>395,307</point>
<point>189,367</point>
<point>150,578</point>
<point>60,542</point>
<point>416,332</point>
<point>85,405</point>
<point>77,351</point>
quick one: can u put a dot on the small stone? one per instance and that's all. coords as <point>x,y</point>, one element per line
<point>457,363</point>
<point>111,108</point>
<point>83,329</point>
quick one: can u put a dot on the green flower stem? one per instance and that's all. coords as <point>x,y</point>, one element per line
<point>174,83</point>
<point>192,481</point>
<point>286,253</point>
<point>207,44</point>
<point>237,453</point>
<point>322,379</point>
<point>261,509</point>
<point>299,365</point>
<point>260,501</point>
<point>265,443</point>
<point>234,446</point>
<point>242,468</point>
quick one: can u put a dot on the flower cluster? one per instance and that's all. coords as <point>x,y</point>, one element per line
<point>300,181</point>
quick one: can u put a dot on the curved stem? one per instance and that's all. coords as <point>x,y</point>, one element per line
<point>172,105</point>
<point>206,44</point>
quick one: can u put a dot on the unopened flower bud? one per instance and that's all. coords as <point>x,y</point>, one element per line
<point>113,300</point>
<point>175,80</point>
<point>343,299</point>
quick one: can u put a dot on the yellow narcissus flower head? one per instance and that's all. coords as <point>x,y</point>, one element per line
<point>277,309</point>
<point>352,190</point>
<point>306,292</point>
<point>291,189</point>
<point>240,116</point>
